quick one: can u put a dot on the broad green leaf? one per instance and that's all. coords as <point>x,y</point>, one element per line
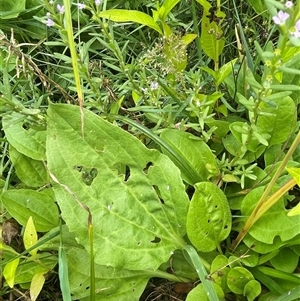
<point>224,71</point>
<point>283,112</point>
<point>36,285</point>
<point>23,203</point>
<point>43,264</point>
<point>28,142</point>
<point>286,260</point>
<point>123,15</point>
<point>31,172</point>
<point>110,284</point>
<point>166,8</point>
<point>30,236</point>
<point>211,38</point>
<point>199,293</point>
<point>252,290</point>
<point>196,153</point>
<point>138,217</point>
<point>274,222</point>
<point>209,217</point>
<point>11,9</point>
<point>237,278</point>
<point>9,272</point>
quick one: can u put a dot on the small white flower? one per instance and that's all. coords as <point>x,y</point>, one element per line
<point>289,4</point>
<point>97,2</point>
<point>281,18</point>
<point>154,86</point>
<point>60,8</point>
<point>81,5</point>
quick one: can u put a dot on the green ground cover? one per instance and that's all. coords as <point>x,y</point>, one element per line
<point>150,150</point>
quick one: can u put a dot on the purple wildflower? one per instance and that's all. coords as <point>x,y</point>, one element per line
<point>49,22</point>
<point>289,4</point>
<point>281,18</point>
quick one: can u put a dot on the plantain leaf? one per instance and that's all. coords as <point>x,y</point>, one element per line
<point>138,215</point>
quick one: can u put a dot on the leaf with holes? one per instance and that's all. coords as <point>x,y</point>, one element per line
<point>209,217</point>
<point>135,195</point>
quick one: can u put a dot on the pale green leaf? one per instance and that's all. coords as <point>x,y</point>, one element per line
<point>252,290</point>
<point>23,203</point>
<point>237,278</point>
<point>273,223</point>
<point>138,217</point>
<point>224,71</point>
<point>123,15</point>
<point>36,285</point>
<point>9,272</point>
<point>188,38</point>
<point>209,217</point>
<point>199,293</point>
<point>30,236</point>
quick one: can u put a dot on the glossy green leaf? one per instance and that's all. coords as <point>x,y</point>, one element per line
<point>124,15</point>
<point>283,112</point>
<point>28,142</point>
<point>138,217</point>
<point>23,203</point>
<point>36,285</point>
<point>9,272</point>
<point>209,217</point>
<point>30,236</point>
<point>199,293</point>
<point>194,151</point>
<point>286,260</point>
<point>252,290</point>
<point>237,279</point>
<point>274,222</point>
<point>31,172</point>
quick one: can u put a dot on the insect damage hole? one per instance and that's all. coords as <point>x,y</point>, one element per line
<point>156,240</point>
<point>158,194</point>
<point>148,166</point>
